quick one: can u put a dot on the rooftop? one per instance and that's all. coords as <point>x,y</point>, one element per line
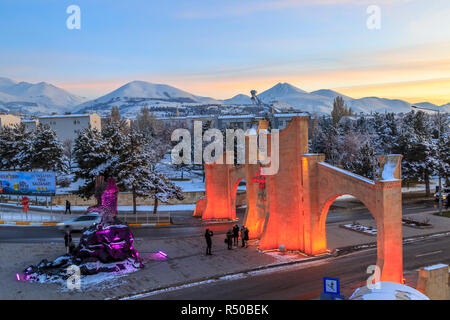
<point>80,115</point>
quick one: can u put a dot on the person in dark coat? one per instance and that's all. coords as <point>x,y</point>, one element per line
<point>246,236</point>
<point>236,235</point>
<point>68,207</point>
<point>230,239</point>
<point>208,235</point>
<point>68,240</point>
<point>243,236</point>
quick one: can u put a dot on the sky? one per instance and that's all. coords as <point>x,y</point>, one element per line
<point>223,48</point>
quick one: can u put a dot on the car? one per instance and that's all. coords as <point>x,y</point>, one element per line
<point>445,196</point>
<point>81,222</point>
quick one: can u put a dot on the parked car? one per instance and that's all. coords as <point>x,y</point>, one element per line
<point>81,222</point>
<point>445,196</point>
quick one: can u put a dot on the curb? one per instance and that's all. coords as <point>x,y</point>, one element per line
<point>30,223</point>
<point>157,224</point>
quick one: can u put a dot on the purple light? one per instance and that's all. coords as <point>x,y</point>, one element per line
<point>18,277</point>
<point>162,253</point>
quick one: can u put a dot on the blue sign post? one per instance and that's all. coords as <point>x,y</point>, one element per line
<point>28,183</point>
<point>331,289</point>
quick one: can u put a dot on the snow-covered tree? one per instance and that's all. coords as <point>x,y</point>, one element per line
<point>127,155</point>
<point>134,172</point>
<point>7,148</point>
<point>48,152</point>
<point>90,154</point>
<point>414,141</point>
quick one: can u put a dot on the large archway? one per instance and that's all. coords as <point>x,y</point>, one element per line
<point>297,198</point>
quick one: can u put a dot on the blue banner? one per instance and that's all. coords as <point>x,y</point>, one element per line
<point>28,183</point>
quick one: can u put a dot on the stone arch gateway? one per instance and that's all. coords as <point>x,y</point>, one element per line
<point>291,209</point>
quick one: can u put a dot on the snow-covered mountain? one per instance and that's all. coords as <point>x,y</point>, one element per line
<point>321,101</point>
<point>39,98</point>
<point>238,99</point>
<point>44,98</point>
<point>446,107</point>
<point>131,97</point>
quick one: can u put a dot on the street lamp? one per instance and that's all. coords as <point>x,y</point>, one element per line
<point>439,152</point>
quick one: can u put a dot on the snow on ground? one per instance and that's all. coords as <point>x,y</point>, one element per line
<point>361,228</point>
<point>95,281</point>
<point>436,266</point>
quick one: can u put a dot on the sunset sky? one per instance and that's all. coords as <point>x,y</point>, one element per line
<point>222,48</point>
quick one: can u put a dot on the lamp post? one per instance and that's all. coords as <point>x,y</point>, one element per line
<point>439,152</point>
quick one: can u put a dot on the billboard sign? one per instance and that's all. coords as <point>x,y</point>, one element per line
<point>28,183</point>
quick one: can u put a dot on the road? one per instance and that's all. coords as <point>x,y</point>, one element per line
<point>35,234</point>
<point>304,281</point>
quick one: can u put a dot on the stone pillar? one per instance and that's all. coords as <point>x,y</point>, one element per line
<point>314,234</point>
<point>284,223</point>
<point>389,230</point>
<point>218,197</point>
<point>200,207</point>
<point>434,282</point>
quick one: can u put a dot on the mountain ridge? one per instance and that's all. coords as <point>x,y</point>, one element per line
<point>44,98</point>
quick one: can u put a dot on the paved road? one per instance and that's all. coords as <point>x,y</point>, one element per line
<point>305,281</point>
<point>51,233</point>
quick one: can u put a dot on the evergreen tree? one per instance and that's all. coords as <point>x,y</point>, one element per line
<point>23,149</point>
<point>48,152</point>
<point>364,162</point>
<point>7,148</point>
<point>90,153</point>
<point>419,150</point>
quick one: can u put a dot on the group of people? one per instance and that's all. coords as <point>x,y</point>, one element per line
<point>232,238</point>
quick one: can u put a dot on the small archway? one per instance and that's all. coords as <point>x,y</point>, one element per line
<point>325,211</point>
<point>238,198</point>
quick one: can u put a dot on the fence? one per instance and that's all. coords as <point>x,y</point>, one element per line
<point>11,213</point>
<point>16,214</point>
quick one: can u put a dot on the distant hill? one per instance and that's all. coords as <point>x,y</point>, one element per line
<point>131,97</point>
<point>39,98</point>
<point>45,98</point>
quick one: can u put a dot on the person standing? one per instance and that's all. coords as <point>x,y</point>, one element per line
<point>230,239</point>
<point>236,235</point>
<point>68,240</point>
<point>68,207</point>
<point>208,235</point>
<point>243,236</point>
<point>246,236</point>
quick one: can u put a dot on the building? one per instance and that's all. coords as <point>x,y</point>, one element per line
<point>67,126</point>
<point>241,121</point>
<point>8,120</point>
<point>30,124</point>
<point>186,121</point>
<point>281,120</point>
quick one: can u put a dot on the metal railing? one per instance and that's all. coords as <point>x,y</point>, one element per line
<point>144,217</point>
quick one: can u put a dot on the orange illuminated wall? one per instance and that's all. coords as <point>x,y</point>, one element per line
<point>293,209</point>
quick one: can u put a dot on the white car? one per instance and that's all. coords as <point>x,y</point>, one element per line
<point>80,222</point>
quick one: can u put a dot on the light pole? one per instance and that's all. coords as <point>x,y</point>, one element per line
<point>439,152</point>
